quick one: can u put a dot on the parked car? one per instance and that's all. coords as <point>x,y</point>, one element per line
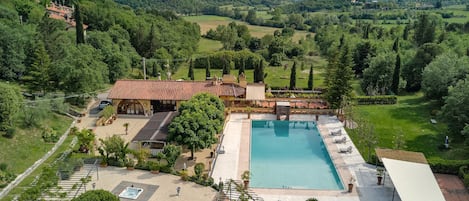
<point>103,104</point>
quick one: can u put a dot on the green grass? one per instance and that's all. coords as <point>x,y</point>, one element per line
<point>411,117</point>
<point>208,46</point>
<point>26,183</point>
<point>27,145</point>
<point>276,76</point>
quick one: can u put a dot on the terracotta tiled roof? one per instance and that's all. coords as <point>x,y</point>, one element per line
<point>170,90</point>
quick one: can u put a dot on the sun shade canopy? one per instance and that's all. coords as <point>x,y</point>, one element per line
<point>413,181</point>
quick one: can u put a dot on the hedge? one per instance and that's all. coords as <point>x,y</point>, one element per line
<point>227,58</point>
<point>439,165</point>
<point>375,100</point>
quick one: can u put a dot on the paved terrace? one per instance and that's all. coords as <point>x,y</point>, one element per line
<point>236,143</point>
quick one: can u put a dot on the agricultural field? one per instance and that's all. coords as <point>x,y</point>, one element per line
<point>207,22</point>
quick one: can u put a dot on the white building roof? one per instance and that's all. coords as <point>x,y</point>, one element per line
<point>413,181</point>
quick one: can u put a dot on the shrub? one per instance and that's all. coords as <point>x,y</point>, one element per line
<point>466,180</point>
<point>114,162</point>
<point>462,171</point>
<point>10,132</point>
<point>107,112</point>
<point>184,175</point>
<point>49,135</point>
<point>447,166</point>
<point>375,100</point>
<point>199,169</point>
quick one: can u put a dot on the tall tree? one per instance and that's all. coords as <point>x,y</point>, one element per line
<point>424,30</point>
<point>37,78</point>
<point>80,34</point>
<point>396,75</point>
<point>456,107</point>
<point>363,52</point>
<point>377,79</point>
<point>340,85</point>
<point>397,68</point>
<point>405,34</point>
<point>190,74</point>
<point>412,71</point>
<point>259,72</point>
<point>395,45</point>
<point>207,68</point>
<point>310,78</point>
<point>242,67</point>
<point>293,76</point>
<point>226,66</point>
<point>151,43</point>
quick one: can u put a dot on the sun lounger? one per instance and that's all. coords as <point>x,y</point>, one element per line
<point>336,132</point>
<point>340,140</point>
<point>345,149</point>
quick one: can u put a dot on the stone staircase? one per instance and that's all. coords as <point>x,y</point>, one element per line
<point>68,189</point>
<point>231,191</point>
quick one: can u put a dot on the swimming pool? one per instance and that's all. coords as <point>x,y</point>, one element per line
<point>290,154</point>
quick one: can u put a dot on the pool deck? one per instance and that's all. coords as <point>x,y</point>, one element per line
<point>235,160</point>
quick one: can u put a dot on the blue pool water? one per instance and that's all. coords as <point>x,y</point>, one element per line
<point>290,154</point>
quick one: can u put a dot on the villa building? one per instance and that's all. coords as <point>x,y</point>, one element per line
<point>145,97</point>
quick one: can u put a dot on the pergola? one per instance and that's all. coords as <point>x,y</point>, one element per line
<point>411,175</point>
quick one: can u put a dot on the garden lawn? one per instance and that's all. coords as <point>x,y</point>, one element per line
<point>26,183</point>
<point>411,117</point>
<point>27,145</point>
<point>208,46</point>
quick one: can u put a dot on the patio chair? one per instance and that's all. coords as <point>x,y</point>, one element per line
<point>345,149</point>
<point>336,132</point>
<point>340,140</point>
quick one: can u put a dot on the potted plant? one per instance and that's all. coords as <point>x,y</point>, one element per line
<point>245,177</point>
<point>379,174</point>
<point>350,184</point>
<point>103,162</point>
<point>77,164</point>
<point>130,164</point>
<point>154,167</point>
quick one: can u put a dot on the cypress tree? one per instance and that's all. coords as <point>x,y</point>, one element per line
<point>405,35</point>
<point>190,74</point>
<point>256,73</point>
<point>79,25</point>
<point>154,71</point>
<point>261,71</point>
<point>226,66</point>
<point>242,67</point>
<point>339,85</point>
<point>310,78</point>
<point>207,68</point>
<point>293,76</point>
<point>395,46</point>
<point>396,75</point>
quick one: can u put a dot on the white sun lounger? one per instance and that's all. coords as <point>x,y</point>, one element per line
<point>345,149</point>
<point>340,140</point>
<point>336,132</point>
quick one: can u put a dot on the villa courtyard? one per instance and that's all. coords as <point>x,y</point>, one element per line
<point>235,142</point>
